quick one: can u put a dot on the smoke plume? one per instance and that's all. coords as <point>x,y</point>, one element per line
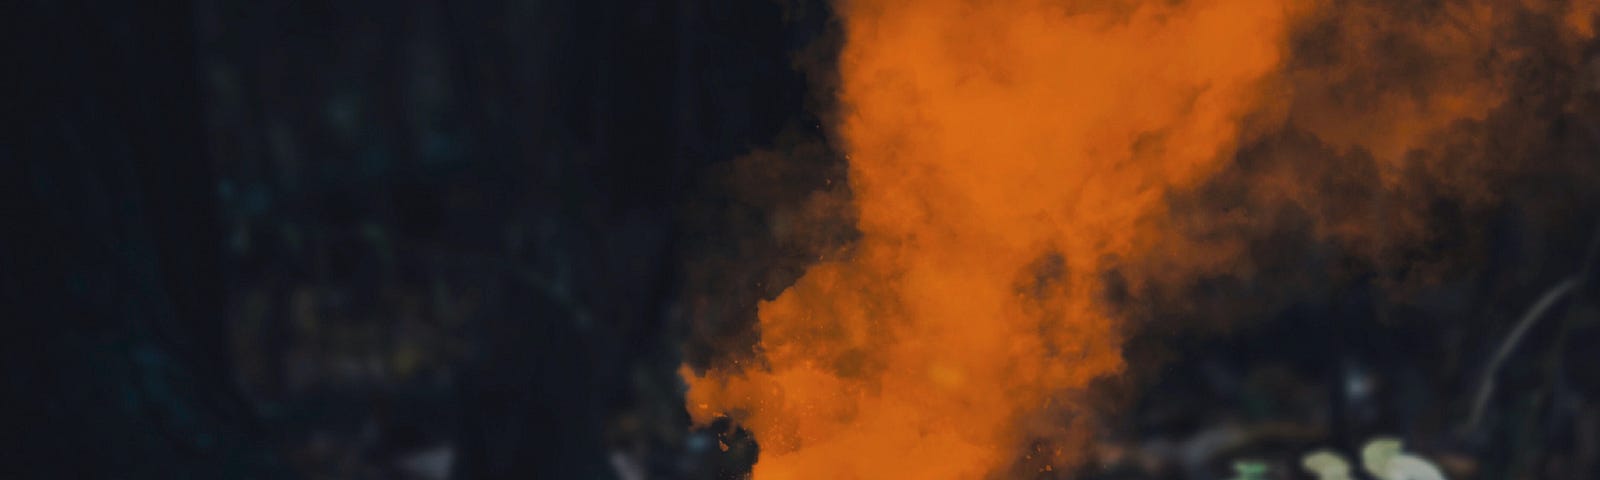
<point>1029,182</point>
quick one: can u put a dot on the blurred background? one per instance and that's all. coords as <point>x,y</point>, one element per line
<point>427,240</point>
<point>366,239</point>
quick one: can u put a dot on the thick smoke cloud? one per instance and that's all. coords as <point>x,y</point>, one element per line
<point>1361,143</point>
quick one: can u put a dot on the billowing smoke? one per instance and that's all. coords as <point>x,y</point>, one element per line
<point>1396,132</point>
<point>1030,181</point>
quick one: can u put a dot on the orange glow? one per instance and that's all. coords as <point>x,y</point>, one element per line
<point>1003,155</point>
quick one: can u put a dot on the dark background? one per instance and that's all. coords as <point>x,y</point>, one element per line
<point>412,239</point>
<point>270,239</point>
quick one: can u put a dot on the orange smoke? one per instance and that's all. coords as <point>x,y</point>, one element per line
<point>1383,111</point>
<point>999,152</point>
<point>1005,154</point>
